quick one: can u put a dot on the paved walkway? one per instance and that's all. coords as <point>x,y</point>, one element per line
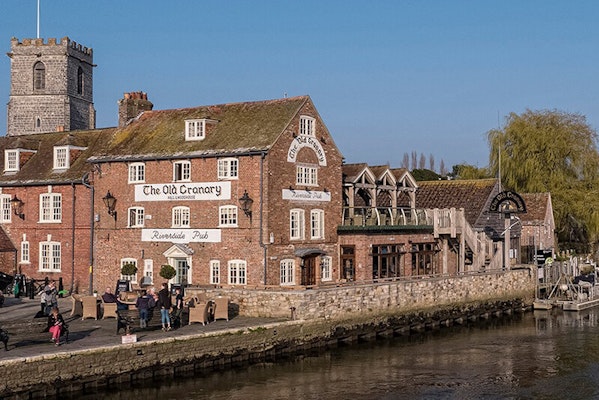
<point>26,339</point>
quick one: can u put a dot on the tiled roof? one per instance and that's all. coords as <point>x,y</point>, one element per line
<point>351,171</point>
<point>536,207</point>
<point>38,168</point>
<point>5,242</point>
<point>473,195</point>
<point>240,128</point>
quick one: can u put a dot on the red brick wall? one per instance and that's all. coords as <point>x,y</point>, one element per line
<point>115,241</point>
<point>73,233</point>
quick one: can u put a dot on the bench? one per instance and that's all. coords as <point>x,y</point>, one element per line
<point>128,320</point>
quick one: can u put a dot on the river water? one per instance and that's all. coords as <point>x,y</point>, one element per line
<point>535,355</point>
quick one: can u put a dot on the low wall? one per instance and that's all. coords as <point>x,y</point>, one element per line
<point>326,317</point>
<point>402,295</point>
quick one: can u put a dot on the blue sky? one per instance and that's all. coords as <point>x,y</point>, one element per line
<point>388,77</point>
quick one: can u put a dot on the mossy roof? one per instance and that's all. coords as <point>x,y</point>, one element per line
<point>470,194</point>
<point>38,152</point>
<point>237,128</point>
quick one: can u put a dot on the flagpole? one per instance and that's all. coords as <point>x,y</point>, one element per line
<point>38,19</point>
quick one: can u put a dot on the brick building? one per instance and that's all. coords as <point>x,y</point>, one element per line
<point>249,194</point>
<point>231,194</point>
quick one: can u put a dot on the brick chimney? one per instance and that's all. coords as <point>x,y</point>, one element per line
<point>131,105</point>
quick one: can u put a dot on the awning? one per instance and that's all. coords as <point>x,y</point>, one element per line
<point>309,252</point>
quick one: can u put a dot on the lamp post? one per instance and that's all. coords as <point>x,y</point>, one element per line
<point>110,203</point>
<point>17,206</point>
<point>246,202</point>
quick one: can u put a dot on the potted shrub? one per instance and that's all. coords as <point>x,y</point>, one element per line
<point>128,269</point>
<point>167,272</point>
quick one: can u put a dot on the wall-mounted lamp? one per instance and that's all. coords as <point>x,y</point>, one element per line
<point>291,188</point>
<point>246,204</point>
<point>17,206</point>
<point>110,203</point>
<point>325,190</point>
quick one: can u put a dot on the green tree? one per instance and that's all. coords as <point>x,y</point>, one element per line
<point>556,152</point>
<point>466,171</point>
<point>425,175</point>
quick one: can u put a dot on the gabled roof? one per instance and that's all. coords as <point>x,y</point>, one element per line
<point>239,128</point>
<point>403,174</point>
<point>353,172</point>
<point>38,168</point>
<point>538,205</point>
<point>473,195</point>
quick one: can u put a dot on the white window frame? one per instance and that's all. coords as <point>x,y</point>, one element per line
<point>137,172</point>
<point>132,278</point>
<point>50,208</point>
<point>214,272</point>
<point>182,171</point>
<point>135,217</point>
<point>306,175</point>
<point>326,273</point>
<point>50,256</point>
<point>307,126</point>
<point>228,216</point>
<point>180,217</point>
<point>11,160</point>
<point>149,270</point>
<point>228,168</point>
<point>25,252</point>
<point>5,208</point>
<point>317,224</point>
<point>287,272</point>
<point>195,129</point>
<point>237,271</point>
<point>61,157</point>
<point>297,229</point>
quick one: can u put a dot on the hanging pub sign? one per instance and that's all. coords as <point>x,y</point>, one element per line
<point>515,203</point>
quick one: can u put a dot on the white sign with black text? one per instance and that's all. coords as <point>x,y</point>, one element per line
<point>306,195</point>
<point>183,191</point>
<point>181,235</point>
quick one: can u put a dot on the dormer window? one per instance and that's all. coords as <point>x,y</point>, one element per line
<point>11,160</point>
<point>307,126</point>
<point>61,157</point>
<point>195,129</point>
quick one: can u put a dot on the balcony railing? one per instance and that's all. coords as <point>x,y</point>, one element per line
<point>386,216</point>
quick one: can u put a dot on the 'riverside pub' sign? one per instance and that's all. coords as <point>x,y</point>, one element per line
<point>182,191</point>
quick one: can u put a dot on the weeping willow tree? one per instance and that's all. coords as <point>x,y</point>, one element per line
<point>556,152</point>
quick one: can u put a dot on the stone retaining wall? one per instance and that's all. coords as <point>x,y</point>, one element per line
<point>404,295</point>
<point>332,315</point>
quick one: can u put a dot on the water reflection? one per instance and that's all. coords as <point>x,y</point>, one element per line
<point>538,355</point>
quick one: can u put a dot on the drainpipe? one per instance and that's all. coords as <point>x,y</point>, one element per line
<point>84,180</point>
<point>262,244</point>
<point>73,239</point>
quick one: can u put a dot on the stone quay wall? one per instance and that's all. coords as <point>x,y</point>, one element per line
<point>401,295</point>
<point>378,310</point>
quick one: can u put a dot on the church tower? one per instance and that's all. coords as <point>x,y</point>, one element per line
<point>51,87</point>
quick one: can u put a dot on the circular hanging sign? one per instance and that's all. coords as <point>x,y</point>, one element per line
<point>514,201</point>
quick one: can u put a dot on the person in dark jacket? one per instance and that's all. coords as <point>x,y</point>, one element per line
<point>164,303</point>
<point>143,305</point>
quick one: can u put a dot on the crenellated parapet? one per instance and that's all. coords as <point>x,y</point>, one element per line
<point>50,44</point>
